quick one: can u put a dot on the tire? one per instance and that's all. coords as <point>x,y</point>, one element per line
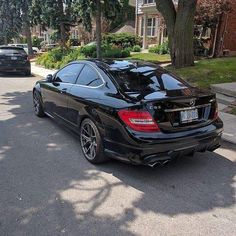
<point>38,108</point>
<point>91,142</point>
<point>27,73</point>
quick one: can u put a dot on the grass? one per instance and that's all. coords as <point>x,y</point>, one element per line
<point>209,71</point>
<point>151,57</point>
<point>233,111</point>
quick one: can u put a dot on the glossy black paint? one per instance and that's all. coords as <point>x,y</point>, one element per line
<point>14,62</point>
<point>71,103</point>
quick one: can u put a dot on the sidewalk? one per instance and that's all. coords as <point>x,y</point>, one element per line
<point>229,120</point>
<point>40,71</point>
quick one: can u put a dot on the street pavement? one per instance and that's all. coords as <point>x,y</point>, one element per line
<point>48,188</point>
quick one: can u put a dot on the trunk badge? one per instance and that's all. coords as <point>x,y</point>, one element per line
<point>192,102</point>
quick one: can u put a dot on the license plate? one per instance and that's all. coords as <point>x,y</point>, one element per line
<point>14,58</point>
<point>188,116</point>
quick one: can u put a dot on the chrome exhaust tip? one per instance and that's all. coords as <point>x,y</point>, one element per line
<point>158,163</point>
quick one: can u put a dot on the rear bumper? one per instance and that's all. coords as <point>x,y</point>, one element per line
<point>15,68</point>
<point>165,148</point>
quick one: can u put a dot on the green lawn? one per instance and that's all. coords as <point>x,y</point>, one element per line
<point>209,71</point>
<point>233,111</point>
<point>151,57</point>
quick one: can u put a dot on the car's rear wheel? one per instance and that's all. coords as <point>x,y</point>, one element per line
<point>27,72</point>
<point>38,108</point>
<point>91,142</point>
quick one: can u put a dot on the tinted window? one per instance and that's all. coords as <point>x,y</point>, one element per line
<point>8,50</point>
<point>89,77</point>
<point>146,79</point>
<point>69,73</point>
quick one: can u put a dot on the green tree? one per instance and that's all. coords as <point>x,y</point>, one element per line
<point>56,14</point>
<point>180,27</point>
<point>10,20</point>
<point>88,9</point>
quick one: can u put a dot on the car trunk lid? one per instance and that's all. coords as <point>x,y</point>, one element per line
<point>180,110</point>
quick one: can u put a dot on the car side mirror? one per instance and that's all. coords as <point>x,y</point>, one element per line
<point>49,78</point>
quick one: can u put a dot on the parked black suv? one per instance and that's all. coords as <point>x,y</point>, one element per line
<point>14,59</point>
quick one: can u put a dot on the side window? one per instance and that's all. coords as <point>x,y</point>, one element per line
<point>69,74</point>
<point>89,77</point>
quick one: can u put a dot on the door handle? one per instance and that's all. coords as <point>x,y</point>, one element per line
<point>63,90</point>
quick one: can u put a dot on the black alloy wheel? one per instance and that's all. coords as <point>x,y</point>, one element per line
<point>91,142</point>
<point>38,108</point>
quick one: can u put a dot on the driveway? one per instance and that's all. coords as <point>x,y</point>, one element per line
<point>48,188</point>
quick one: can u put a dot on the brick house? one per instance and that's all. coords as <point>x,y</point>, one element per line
<point>150,25</point>
<point>225,40</point>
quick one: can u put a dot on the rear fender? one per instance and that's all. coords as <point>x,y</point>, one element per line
<point>93,114</point>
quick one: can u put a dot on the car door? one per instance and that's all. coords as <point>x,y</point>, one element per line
<point>56,94</point>
<point>83,93</point>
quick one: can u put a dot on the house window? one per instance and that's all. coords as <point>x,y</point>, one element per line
<point>148,1</point>
<point>151,27</point>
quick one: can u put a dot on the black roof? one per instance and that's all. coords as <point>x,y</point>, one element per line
<point>113,64</point>
<point>10,47</point>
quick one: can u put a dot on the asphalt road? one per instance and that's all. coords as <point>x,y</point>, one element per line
<point>48,188</point>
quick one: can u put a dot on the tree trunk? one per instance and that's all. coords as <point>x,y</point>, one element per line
<point>182,44</point>
<point>28,38</point>
<point>180,27</point>
<point>26,27</point>
<point>98,28</point>
<point>63,33</point>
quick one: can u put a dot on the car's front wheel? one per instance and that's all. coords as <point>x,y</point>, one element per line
<point>91,142</point>
<point>38,107</point>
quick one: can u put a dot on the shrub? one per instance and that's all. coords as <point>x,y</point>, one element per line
<point>125,53</point>
<point>89,50</point>
<point>136,48</point>
<point>160,49</point>
<point>58,57</point>
<point>122,40</point>
<point>112,53</point>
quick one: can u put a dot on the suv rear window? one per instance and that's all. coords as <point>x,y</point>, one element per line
<point>146,79</point>
<point>7,50</point>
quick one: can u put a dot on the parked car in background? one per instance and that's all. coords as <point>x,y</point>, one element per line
<point>48,47</point>
<point>14,59</point>
<point>25,46</point>
<point>130,110</point>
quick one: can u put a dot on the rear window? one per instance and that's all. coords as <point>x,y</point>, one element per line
<point>12,51</point>
<point>146,79</point>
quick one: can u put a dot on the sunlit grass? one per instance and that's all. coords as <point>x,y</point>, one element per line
<point>151,57</point>
<point>209,71</point>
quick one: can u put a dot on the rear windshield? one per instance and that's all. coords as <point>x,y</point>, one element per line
<point>146,79</point>
<point>12,51</point>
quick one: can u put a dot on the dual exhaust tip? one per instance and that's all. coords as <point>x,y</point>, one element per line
<point>158,163</point>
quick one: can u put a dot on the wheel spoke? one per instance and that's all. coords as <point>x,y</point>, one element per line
<point>89,148</point>
<point>93,151</point>
<point>86,137</point>
<point>88,141</point>
<point>86,131</point>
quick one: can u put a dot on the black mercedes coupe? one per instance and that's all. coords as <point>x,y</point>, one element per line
<point>133,111</point>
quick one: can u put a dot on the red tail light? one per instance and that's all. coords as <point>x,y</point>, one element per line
<point>139,120</point>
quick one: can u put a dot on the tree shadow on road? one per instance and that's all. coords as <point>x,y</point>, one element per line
<point>48,188</point>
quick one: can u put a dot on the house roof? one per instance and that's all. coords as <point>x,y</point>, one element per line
<point>132,3</point>
<point>127,27</point>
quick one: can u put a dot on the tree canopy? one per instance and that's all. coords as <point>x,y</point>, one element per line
<point>208,11</point>
<point>10,20</point>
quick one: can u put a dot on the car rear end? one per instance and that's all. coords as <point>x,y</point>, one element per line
<point>14,59</point>
<point>169,119</point>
